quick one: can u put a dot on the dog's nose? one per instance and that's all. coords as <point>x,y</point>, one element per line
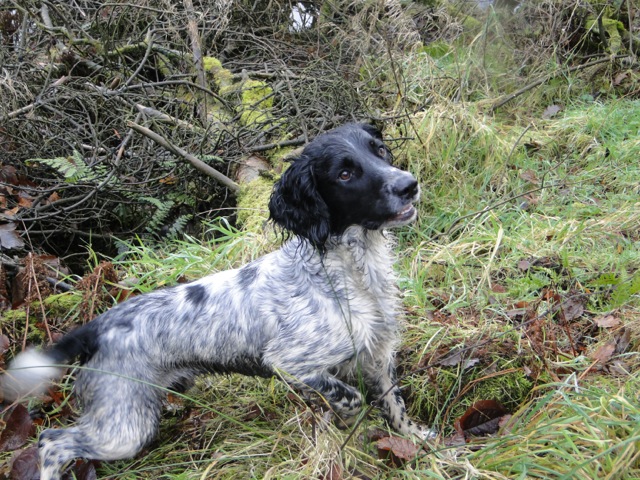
<point>406,186</point>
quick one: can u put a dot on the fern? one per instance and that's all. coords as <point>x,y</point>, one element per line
<point>73,168</point>
<point>606,280</point>
<point>178,225</point>
<point>160,215</point>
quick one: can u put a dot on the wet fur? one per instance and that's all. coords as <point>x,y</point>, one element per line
<point>320,312</point>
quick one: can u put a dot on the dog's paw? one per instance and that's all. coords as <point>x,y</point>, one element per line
<point>423,433</point>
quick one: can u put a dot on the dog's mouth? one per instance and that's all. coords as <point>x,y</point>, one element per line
<point>407,214</point>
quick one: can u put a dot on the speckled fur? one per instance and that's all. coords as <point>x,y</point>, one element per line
<point>320,312</point>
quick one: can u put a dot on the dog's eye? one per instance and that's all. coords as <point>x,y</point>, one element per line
<point>344,175</point>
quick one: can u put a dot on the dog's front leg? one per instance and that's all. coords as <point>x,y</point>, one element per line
<point>345,400</point>
<point>380,380</point>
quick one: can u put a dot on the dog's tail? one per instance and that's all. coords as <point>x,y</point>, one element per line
<point>31,371</point>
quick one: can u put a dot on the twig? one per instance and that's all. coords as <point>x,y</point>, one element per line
<point>192,28</point>
<point>285,143</point>
<point>163,117</point>
<point>195,162</point>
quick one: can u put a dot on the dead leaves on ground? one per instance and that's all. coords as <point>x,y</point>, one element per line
<point>396,451</point>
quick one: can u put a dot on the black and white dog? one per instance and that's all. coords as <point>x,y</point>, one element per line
<point>320,312</point>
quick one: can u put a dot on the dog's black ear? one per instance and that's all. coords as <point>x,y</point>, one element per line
<point>296,205</point>
<point>371,130</point>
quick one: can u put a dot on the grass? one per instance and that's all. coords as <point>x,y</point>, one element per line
<point>528,233</point>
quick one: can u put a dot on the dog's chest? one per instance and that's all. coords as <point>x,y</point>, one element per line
<point>363,278</point>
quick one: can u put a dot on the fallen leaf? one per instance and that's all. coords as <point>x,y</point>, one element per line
<point>4,346</point>
<point>456,359</point>
<point>524,265</point>
<point>85,470</point>
<point>9,238</point>
<point>398,450</point>
<point>603,354</point>
<point>533,145</point>
<point>607,321</point>
<point>619,78</point>
<point>530,176</point>
<point>18,428</point>
<point>334,473</point>
<point>8,174</point>
<point>25,465</point>
<point>551,111</point>
<point>573,307</point>
<point>623,340</point>
<point>482,418</point>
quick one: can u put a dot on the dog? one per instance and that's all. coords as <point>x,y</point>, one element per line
<point>320,312</point>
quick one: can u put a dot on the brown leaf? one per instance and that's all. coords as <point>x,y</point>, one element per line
<point>9,238</point>
<point>4,346</point>
<point>623,340</point>
<point>18,429</point>
<point>85,470</point>
<point>619,78</point>
<point>603,354</point>
<point>25,465</point>
<point>334,473</point>
<point>530,176</point>
<point>573,307</point>
<point>524,265</point>
<point>397,450</point>
<point>456,359</point>
<point>551,111</point>
<point>607,321</point>
<point>54,197</point>
<point>8,174</point>
<point>482,418</point>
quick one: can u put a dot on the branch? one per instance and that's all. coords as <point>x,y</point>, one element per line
<point>549,76</point>
<point>195,162</point>
<point>163,117</point>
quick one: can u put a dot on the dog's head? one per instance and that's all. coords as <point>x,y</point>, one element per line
<point>343,177</point>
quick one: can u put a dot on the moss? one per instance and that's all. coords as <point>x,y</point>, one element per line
<point>253,199</point>
<point>256,101</point>
<point>471,25</point>
<point>435,49</point>
<point>62,303</point>
<point>612,27</point>
<point>9,317</point>
<point>217,73</point>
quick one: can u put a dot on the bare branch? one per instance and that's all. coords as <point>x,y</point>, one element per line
<point>194,161</point>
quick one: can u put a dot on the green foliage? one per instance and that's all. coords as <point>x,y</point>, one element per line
<point>624,291</point>
<point>160,215</point>
<point>72,168</point>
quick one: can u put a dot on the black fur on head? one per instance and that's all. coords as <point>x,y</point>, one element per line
<point>343,177</point>
<point>296,205</point>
